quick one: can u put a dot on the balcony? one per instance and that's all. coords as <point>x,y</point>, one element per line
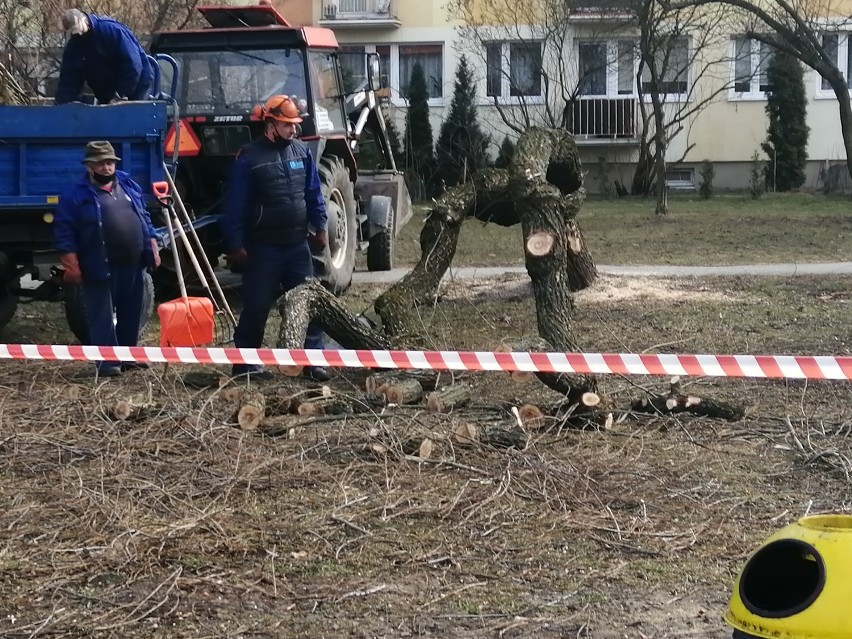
<point>604,121</point>
<point>353,14</point>
<point>599,10</point>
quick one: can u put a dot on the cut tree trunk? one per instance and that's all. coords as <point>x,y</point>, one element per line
<point>445,400</point>
<point>252,410</point>
<point>673,404</point>
<point>541,190</point>
<point>133,407</point>
<point>310,301</point>
<point>405,391</point>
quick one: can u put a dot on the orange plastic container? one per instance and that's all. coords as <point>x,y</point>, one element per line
<point>187,321</point>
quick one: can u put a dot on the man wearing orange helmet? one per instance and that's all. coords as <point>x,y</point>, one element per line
<point>274,213</point>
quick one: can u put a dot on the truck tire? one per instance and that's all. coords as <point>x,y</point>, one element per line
<point>334,266</point>
<point>75,308</point>
<point>380,249</point>
<point>8,305</point>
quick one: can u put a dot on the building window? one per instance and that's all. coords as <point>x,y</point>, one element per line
<point>513,69</point>
<point>593,68</point>
<point>672,64</point>
<point>606,68</point>
<point>431,59</point>
<point>353,65</point>
<point>836,45</point>
<point>680,179</point>
<point>751,59</point>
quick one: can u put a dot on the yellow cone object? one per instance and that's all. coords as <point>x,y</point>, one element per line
<point>798,585</point>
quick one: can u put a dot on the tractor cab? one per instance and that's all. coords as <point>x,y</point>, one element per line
<point>245,56</point>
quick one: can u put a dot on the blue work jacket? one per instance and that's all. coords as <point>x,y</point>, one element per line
<point>110,59</point>
<point>274,195</point>
<point>78,226</point>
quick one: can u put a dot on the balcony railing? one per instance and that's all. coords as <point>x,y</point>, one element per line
<point>600,9</point>
<point>358,13</point>
<point>604,120</point>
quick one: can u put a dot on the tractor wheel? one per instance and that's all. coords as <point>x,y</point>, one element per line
<point>75,308</point>
<point>334,265</point>
<point>380,249</point>
<point>8,305</point>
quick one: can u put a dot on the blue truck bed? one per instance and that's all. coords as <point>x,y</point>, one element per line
<point>41,147</point>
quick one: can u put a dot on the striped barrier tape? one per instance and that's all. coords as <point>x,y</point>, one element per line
<point>757,366</point>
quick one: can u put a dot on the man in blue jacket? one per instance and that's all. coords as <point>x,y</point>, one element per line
<point>274,208</point>
<point>106,241</point>
<point>104,53</point>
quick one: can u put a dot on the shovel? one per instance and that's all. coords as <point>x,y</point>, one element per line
<point>186,321</point>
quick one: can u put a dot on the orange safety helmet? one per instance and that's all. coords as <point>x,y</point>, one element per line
<point>278,107</point>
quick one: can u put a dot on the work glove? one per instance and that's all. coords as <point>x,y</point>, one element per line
<point>318,240</point>
<point>72,274</point>
<point>238,257</point>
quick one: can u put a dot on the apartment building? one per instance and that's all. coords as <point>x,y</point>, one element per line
<point>524,74</point>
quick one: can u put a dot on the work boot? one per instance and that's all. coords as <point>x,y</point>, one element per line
<point>135,366</point>
<point>108,369</point>
<point>317,373</point>
<point>252,372</point>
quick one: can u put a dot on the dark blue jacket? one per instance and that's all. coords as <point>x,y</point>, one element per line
<point>78,226</point>
<point>110,59</point>
<point>274,195</point>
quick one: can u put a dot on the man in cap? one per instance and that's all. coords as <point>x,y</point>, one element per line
<point>104,53</point>
<point>106,241</point>
<point>274,214</point>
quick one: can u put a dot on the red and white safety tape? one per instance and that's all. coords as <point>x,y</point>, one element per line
<point>760,366</point>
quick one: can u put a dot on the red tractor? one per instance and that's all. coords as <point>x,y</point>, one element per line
<point>246,55</point>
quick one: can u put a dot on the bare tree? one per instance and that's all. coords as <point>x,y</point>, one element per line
<point>31,38</point>
<point>797,28</point>
<point>670,53</point>
<point>683,67</point>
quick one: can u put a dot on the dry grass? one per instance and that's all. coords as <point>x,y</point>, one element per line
<point>178,524</point>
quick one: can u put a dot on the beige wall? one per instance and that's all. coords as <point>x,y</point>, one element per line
<point>299,13</point>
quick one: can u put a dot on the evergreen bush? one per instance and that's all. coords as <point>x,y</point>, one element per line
<point>786,144</point>
<point>462,147</point>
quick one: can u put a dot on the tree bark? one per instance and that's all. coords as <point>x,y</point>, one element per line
<point>310,301</point>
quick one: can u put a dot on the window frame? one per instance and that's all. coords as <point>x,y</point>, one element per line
<point>389,53</point>
<point>678,184</point>
<point>756,61</point>
<point>680,96</point>
<point>612,68</point>
<point>844,51</point>
<point>504,73</point>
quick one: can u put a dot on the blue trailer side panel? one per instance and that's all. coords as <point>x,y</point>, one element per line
<point>41,147</point>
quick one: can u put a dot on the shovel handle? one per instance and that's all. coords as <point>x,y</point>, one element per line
<point>161,190</point>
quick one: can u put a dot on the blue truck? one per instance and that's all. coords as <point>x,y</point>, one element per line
<point>41,148</point>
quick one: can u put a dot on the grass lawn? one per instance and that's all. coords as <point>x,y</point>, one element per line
<point>727,229</point>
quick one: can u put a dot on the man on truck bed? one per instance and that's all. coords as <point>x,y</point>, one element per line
<point>106,241</point>
<point>104,53</point>
<point>274,208</point>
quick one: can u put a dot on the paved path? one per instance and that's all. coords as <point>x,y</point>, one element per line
<point>483,272</point>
